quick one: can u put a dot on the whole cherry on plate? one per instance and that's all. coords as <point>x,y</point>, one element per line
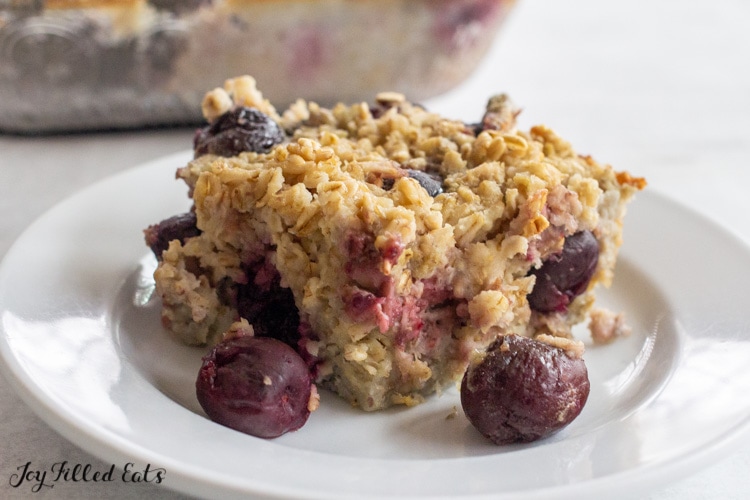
<point>256,385</point>
<point>522,389</point>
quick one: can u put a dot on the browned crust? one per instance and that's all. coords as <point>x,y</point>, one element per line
<point>625,179</point>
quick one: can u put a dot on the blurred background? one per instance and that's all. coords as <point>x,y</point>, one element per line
<point>93,64</point>
<point>661,89</point>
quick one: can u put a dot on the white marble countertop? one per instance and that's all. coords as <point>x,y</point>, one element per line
<point>661,89</point>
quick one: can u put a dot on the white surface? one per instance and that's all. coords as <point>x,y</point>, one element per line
<point>657,88</point>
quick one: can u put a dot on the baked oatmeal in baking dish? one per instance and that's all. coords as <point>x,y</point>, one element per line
<point>384,242</point>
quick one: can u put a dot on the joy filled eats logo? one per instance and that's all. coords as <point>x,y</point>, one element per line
<point>63,472</point>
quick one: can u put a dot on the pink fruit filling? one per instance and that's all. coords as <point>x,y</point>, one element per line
<point>418,321</point>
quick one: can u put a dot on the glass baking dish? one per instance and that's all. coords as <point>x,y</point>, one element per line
<point>72,65</point>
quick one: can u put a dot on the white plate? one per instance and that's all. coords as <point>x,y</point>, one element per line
<point>82,344</point>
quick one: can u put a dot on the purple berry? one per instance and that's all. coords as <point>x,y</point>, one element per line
<point>432,183</point>
<point>565,275</point>
<point>268,306</point>
<point>521,390</point>
<point>241,129</point>
<point>179,227</point>
<point>256,385</point>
